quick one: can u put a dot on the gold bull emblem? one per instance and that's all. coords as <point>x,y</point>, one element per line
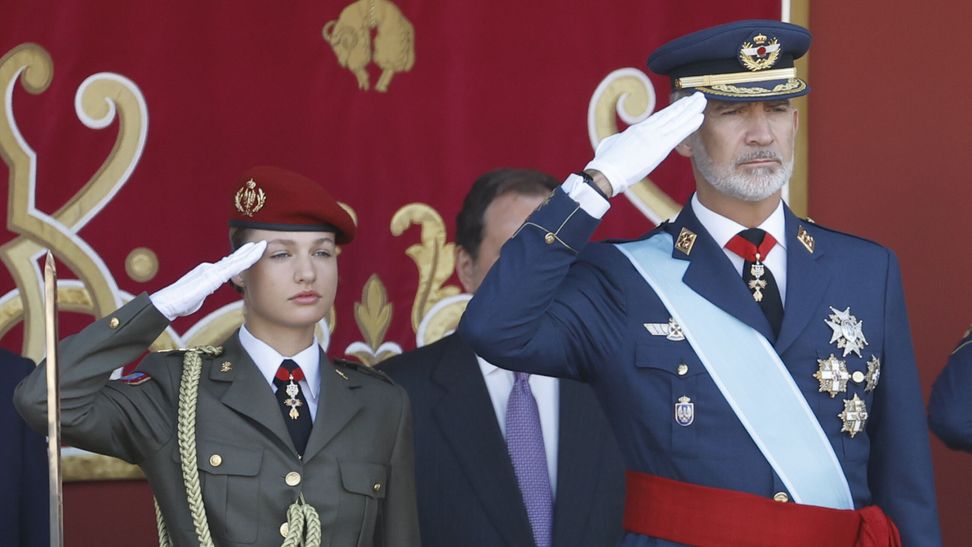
<point>394,41</point>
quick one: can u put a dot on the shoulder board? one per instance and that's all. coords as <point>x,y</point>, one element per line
<point>211,351</point>
<point>815,226</point>
<point>654,231</point>
<point>964,342</point>
<point>135,378</point>
<point>364,369</point>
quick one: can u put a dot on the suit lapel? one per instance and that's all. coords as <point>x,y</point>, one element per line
<point>577,462</point>
<point>806,282</point>
<point>338,405</point>
<point>249,393</point>
<point>468,423</point>
<point>712,275</point>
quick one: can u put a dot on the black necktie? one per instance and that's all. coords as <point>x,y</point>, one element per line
<point>293,405</point>
<point>753,245</point>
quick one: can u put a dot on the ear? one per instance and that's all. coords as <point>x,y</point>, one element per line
<point>796,122</point>
<point>237,280</point>
<point>684,148</point>
<point>466,269</point>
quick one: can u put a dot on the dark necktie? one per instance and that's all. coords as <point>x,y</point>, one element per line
<point>524,441</point>
<point>293,405</point>
<point>753,245</point>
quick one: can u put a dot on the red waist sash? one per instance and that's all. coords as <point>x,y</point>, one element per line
<point>698,515</point>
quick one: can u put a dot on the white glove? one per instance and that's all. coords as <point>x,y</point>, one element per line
<point>627,157</point>
<point>186,295</point>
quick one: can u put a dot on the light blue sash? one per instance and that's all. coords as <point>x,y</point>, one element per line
<point>751,377</point>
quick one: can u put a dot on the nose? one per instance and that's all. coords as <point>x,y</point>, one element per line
<point>759,132</point>
<point>304,271</point>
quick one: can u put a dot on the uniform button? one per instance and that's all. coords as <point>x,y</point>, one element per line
<point>781,497</point>
<point>858,376</point>
<point>284,529</point>
<point>215,460</point>
<point>682,369</point>
<point>113,323</point>
<point>292,478</point>
<point>549,238</point>
<point>376,487</point>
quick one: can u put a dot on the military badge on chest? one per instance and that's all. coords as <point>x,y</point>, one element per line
<point>684,411</point>
<point>835,374</point>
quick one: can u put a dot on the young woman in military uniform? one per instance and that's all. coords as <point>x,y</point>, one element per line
<point>264,440</point>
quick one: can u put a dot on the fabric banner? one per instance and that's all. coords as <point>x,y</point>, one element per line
<point>124,124</point>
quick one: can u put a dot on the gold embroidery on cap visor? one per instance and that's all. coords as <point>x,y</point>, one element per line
<point>735,78</point>
<point>793,85</point>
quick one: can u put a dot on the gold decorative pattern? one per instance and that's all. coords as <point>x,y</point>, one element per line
<point>141,264</point>
<point>373,316</point>
<point>350,38</point>
<point>752,60</point>
<point>434,258</point>
<point>249,199</point>
<point>792,85</point>
<point>805,239</point>
<point>685,241</point>
<point>627,93</point>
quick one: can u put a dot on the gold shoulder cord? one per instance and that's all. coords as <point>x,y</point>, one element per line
<point>304,524</point>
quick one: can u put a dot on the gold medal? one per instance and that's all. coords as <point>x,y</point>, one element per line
<point>854,416</point>
<point>832,375</point>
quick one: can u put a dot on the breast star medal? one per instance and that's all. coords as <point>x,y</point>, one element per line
<point>757,283</point>
<point>848,331</point>
<point>854,416</point>
<point>873,373</point>
<point>293,402</point>
<point>832,375</point>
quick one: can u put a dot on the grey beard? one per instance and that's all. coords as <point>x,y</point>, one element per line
<point>758,185</point>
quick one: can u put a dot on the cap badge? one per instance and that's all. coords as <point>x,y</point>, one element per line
<point>759,52</point>
<point>250,199</point>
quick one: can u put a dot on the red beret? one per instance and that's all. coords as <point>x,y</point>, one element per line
<point>270,198</point>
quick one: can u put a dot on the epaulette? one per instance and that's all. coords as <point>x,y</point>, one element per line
<point>817,226</point>
<point>964,342</point>
<point>364,369</point>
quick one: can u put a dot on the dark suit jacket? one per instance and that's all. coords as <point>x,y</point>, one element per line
<point>23,473</point>
<point>467,492</point>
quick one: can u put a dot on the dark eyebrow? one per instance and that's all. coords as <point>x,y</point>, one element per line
<point>326,239</point>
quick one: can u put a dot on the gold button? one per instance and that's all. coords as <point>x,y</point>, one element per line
<point>858,376</point>
<point>284,529</point>
<point>682,369</point>
<point>292,478</point>
<point>549,238</point>
<point>215,460</point>
<point>781,497</point>
<point>113,323</point>
<point>376,487</point>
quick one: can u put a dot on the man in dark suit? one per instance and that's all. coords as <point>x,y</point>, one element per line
<point>23,474</point>
<point>474,488</point>
<point>757,368</point>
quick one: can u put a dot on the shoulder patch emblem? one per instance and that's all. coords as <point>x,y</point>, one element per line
<point>135,378</point>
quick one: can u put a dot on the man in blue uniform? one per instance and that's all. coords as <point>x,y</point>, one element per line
<point>950,405</point>
<point>756,368</point>
<point>475,481</point>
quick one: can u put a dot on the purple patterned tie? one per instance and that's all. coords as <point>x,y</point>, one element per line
<point>524,441</point>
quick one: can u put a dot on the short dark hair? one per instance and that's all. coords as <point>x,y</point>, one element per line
<point>488,187</point>
<point>237,237</point>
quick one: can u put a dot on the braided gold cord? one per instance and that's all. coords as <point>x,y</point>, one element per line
<point>188,393</point>
<point>164,539</point>
<point>312,534</point>
<point>303,525</point>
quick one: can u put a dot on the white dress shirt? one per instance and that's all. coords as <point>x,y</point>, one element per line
<point>268,361</point>
<point>499,383</point>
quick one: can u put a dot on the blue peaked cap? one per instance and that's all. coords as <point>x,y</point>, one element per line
<point>741,61</point>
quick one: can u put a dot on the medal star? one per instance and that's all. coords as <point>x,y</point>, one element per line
<point>873,373</point>
<point>832,375</point>
<point>848,332</point>
<point>854,416</point>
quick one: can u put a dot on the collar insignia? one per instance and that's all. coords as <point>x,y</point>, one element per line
<point>685,241</point>
<point>250,198</point>
<point>806,239</point>
<point>226,366</point>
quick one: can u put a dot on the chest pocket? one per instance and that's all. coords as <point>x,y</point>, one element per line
<point>690,411</point>
<point>365,485</point>
<point>230,482</point>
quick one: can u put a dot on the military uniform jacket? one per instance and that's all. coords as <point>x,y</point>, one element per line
<point>554,304</point>
<point>950,405</point>
<point>357,469</point>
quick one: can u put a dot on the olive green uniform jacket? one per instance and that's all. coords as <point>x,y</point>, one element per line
<point>357,469</point>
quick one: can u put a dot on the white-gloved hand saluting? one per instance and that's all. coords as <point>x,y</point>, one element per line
<point>627,157</point>
<point>187,295</point>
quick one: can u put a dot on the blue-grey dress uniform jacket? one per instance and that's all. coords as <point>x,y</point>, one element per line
<point>357,469</point>
<point>554,304</point>
<point>950,405</point>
